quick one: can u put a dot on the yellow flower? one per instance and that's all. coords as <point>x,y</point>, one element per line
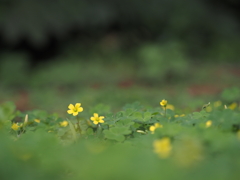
<point>97,119</point>
<point>37,120</point>
<point>208,123</point>
<point>232,106</point>
<point>176,115</point>
<point>209,109</point>
<point>155,126</point>
<point>170,106</point>
<point>217,103</point>
<point>162,147</point>
<point>163,103</point>
<point>63,124</point>
<point>74,109</point>
<point>15,126</point>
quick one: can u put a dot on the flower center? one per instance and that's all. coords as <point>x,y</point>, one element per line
<point>75,109</point>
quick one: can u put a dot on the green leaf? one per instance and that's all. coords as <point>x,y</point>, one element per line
<point>197,115</point>
<point>125,122</point>
<point>120,130</point>
<point>73,131</point>
<point>110,135</point>
<point>137,116</point>
<point>147,116</point>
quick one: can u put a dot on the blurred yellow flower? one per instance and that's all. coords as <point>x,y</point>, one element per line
<point>155,126</point>
<point>63,123</point>
<point>176,115</point>
<point>170,106</point>
<point>37,120</point>
<point>217,103</point>
<point>96,119</point>
<point>232,106</point>
<point>163,103</point>
<point>74,109</point>
<point>208,123</point>
<point>209,108</point>
<point>162,147</point>
<point>15,126</point>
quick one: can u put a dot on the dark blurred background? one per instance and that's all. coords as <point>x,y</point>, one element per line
<point>61,43</point>
<point>44,29</point>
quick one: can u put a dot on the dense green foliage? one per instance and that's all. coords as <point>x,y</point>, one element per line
<point>123,146</point>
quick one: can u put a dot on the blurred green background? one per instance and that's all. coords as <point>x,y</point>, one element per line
<point>53,53</point>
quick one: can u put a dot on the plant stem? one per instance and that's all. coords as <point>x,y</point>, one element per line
<point>78,125</point>
<point>99,129</point>
<point>165,111</point>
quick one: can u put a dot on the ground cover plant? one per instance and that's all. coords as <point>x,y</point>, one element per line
<point>137,142</point>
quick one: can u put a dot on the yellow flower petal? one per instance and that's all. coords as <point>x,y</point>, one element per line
<point>70,111</point>
<point>95,122</point>
<point>71,106</point>
<point>75,113</point>
<point>95,115</point>
<point>80,109</point>
<point>77,105</point>
<point>101,121</point>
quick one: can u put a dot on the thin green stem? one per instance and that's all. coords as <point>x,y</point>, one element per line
<point>99,129</point>
<point>78,125</point>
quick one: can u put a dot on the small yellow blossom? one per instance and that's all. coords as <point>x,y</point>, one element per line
<point>163,103</point>
<point>176,115</point>
<point>15,126</point>
<point>96,119</point>
<point>63,123</point>
<point>74,109</point>
<point>37,120</point>
<point>170,106</point>
<point>208,123</point>
<point>217,103</point>
<point>232,106</point>
<point>209,108</point>
<point>155,126</point>
<point>162,147</point>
